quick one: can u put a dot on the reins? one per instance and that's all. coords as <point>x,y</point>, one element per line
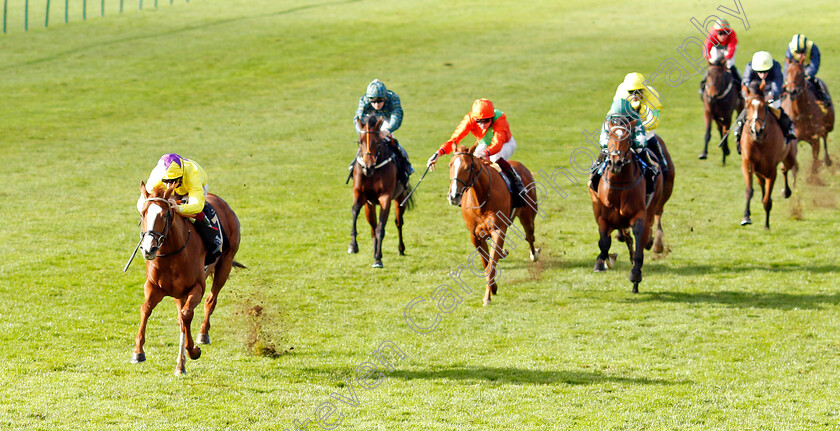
<point>360,156</point>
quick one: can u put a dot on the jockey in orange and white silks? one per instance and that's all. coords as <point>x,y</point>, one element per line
<point>495,141</point>
<point>191,188</point>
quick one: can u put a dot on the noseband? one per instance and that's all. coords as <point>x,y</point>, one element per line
<point>160,237</point>
<point>757,135</point>
<point>361,155</point>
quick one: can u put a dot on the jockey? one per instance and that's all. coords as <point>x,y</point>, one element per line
<point>722,37</point>
<point>644,99</point>
<point>764,68</point>
<point>806,52</point>
<point>191,183</point>
<point>495,142</point>
<point>381,102</point>
<point>623,108</point>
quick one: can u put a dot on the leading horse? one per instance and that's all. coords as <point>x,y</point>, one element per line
<point>487,208</point>
<point>175,267</point>
<point>810,122</point>
<point>375,182</point>
<point>762,149</point>
<point>720,99</point>
<point>619,202</point>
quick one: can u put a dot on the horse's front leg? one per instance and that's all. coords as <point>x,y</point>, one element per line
<point>480,245</point>
<point>399,213</point>
<point>186,310</point>
<point>707,117</point>
<point>724,147</point>
<point>604,244</point>
<point>825,146</point>
<point>497,238</point>
<point>385,209</point>
<point>152,297</point>
<point>748,193</point>
<point>641,231</point>
<point>767,192</point>
<point>357,205</point>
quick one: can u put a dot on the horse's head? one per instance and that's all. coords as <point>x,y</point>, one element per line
<point>620,129</point>
<point>369,143</point>
<point>794,79</point>
<point>463,172</point>
<point>756,107</point>
<point>157,216</point>
<point>718,81</point>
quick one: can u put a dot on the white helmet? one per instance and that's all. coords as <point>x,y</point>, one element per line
<point>762,61</point>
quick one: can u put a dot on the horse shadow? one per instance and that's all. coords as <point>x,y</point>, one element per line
<point>519,376</point>
<point>742,299</point>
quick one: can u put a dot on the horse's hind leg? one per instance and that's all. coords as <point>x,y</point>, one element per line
<point>641,232</point>
<point>628,239</point>
<point>604,244</point>
<point>658,243</point>
<point>186,311</point>
<point>748,193</point>
<point>825,147</point>
<point>354,246</point>
<point>815,150</point>
<point>379,230</point>
<point>527,217</point>
<point>707,116</point>
<point>220,276</point>
<point>399,213</point>
<point>152,298</point>
<point>767,191</point>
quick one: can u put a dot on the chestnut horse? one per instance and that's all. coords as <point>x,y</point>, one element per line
<point>487,208</point>
<point>619,203</point>
<point>375,182</point>
<point>720,99</point>
<point>810,122</point>
<point>175,267</point>
<point>763,147</point>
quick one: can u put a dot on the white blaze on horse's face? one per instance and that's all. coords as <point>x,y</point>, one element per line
<point>453,185</point>
<point>148,240</point>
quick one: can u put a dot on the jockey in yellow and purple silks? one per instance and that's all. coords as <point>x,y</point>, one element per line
<point>191,188</point>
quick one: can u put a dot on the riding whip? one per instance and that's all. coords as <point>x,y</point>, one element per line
<point>415,187</point>
<point>130,259</point>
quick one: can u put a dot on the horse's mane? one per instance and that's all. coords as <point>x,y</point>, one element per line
<point>755,88</point>
<point>371,121</point>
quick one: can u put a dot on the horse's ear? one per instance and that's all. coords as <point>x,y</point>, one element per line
<point>169,190</point>
<point>744,90</point>
<point>359,122</point>
<point>378,124</point>
<point>471,150</point>
<point>763,86</point>
<point>143,190</point>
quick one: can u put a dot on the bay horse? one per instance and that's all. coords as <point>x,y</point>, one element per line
<point>487,208</point>
<point>619,202</point>
<point>810,122</point>
<point>763,147</point>
<point>720,99</point>
<point>175,267</point>
<point>375,182</point>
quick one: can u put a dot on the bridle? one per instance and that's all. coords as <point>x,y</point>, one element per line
<point>624,158</point>
<point>797,89</point>
<point>473,177</point>
<point>159,237</point>
<point>725,92</point>
<point>757,135</point>
<point>367,152</point>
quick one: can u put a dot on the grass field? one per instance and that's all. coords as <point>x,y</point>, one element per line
<point>734,328</point>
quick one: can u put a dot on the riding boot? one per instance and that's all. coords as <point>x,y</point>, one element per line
<point>516,186</point>
<point>210,235</point>
<point>702,86</point>
<point>818,92</point>
<point>653,144</point>
<point>739,126</point>
<point>596,170</point>
<point>650,174</point>
<point>408,168</point>
<point>787,127</point>
<point>735,74</point>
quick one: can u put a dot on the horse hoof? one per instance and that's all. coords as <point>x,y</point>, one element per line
<point>658,248</point>
<point>611,260</point>
<point>137,358</point>
<point>353,249</point>
<point>179,373</point>
<point>703,156</point>
<point>745,221</point>
<point>536,255</point>
<point>828,162</point>
<point>195,355</point>
<point>599,266</point>
<point>377,264</point>
<point>203,339</point>
<point>635,287</point>
<point>486,302</point>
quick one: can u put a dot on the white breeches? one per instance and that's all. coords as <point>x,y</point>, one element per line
<point>506,153</point>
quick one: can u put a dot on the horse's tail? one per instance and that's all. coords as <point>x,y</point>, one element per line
<point>239,265</point>
<point>410,204</point>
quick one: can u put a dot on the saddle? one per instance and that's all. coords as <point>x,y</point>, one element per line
<point>516,199</point>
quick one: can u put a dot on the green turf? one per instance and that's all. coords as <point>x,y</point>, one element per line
<point>735,328</point>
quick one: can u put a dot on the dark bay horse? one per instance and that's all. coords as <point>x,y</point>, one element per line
<point>375,182</point>
<point>763,147</point>
<point>809,120</point>
<point>619,202</point>
<point>720,99</point>
<point>174,255</point>
<point>487,208</point>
